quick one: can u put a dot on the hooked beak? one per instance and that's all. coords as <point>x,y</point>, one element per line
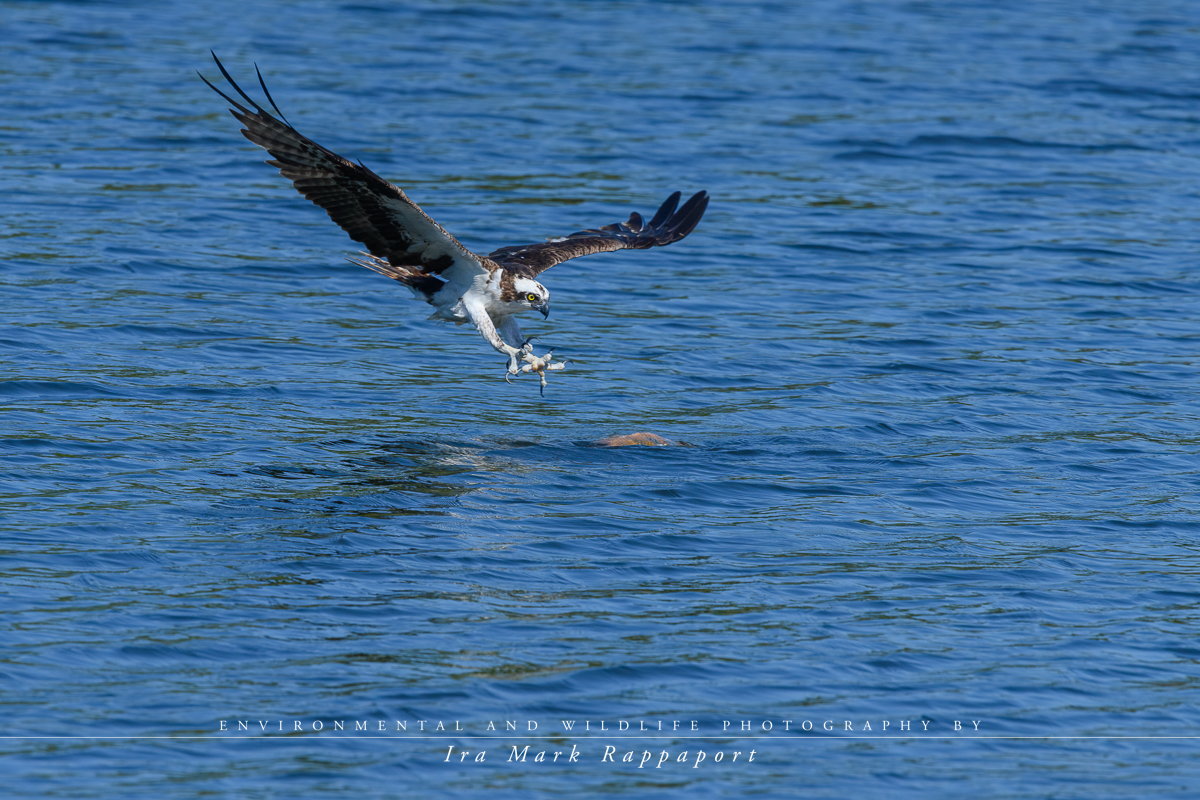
<point>545,309</point>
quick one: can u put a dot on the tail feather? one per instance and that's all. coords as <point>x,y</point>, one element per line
<point>419,282</point>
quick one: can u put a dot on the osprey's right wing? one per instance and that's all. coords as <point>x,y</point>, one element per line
<point>371,210</point>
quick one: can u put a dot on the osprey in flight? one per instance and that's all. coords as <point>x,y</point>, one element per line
<point>404,244</point>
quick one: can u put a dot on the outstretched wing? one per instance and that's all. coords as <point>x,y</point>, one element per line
<point>371,210</point>
<point>667,226</point>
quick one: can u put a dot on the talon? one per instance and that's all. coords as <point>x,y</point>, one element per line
<point>512,361</point>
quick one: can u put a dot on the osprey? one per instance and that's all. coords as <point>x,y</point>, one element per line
<point>404,244</point>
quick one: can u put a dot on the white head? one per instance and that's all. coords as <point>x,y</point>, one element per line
<point>528,294</point>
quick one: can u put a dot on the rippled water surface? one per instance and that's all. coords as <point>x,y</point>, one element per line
<point>932,352</point>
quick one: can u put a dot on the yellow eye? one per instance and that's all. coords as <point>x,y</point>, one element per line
<point>531,298</point>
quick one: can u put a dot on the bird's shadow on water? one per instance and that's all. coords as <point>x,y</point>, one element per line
<point>350,482</point>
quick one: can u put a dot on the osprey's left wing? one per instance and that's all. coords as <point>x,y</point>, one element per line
<point>371,210</point>
<point>667,226</point>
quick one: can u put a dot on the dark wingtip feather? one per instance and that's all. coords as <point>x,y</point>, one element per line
<point>259,109</point>
<point>689,216</point>
<point>665,210</point>
<point>270,99</point>
<point>228,99</point>
<point>682,221</point>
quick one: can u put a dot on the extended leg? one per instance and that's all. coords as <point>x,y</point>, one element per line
<point>511,333</point>
<point>483,323</point>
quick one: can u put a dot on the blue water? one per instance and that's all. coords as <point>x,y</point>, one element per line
<point>933,350</point>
